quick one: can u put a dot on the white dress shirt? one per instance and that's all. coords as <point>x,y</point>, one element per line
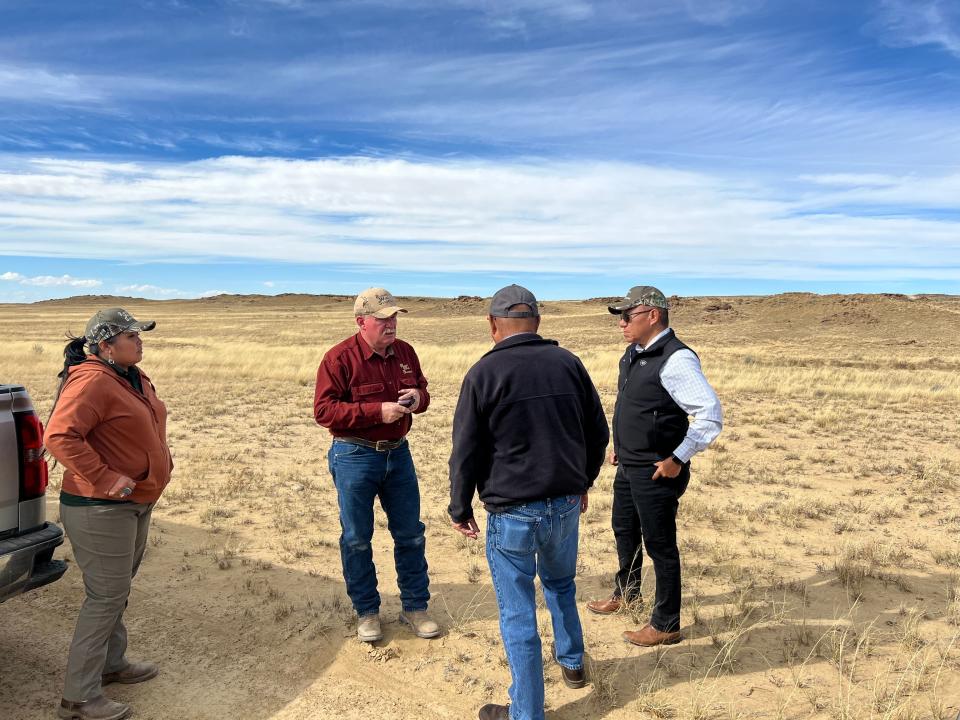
<point>683,379</point>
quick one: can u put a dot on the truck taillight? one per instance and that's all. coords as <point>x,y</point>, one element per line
<point>33,466</point>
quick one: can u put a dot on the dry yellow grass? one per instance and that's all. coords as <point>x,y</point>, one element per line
<point>819,535</point>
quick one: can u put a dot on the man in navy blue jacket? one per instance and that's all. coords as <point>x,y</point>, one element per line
<point>529,436</point>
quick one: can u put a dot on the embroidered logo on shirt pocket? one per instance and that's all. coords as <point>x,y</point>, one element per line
<point>517,534</point>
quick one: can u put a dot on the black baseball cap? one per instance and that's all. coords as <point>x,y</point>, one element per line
<point>506,298</point>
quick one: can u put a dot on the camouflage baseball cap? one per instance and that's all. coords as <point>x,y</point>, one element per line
<point>377,302</point>
<point>640,295</point>
<point>106,323</point>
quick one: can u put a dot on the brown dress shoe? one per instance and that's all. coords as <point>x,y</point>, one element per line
<point>648,636</point>
<point>495,712</point>
<point>135,672</point>
<point>606,607</point>
<point>573,678</point>
<point>99,708</point>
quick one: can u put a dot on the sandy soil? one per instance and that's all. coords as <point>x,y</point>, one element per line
<point>819,536</point>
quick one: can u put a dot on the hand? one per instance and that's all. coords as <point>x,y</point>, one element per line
<point>584,502</point>
<point>390,412</point>
<point>117,489</point>
<point>612,458</point>
<point>667,468</point>
<point>415,394</point>
<point>468,528</point>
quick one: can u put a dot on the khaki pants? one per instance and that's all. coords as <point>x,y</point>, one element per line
<point>108,543</point>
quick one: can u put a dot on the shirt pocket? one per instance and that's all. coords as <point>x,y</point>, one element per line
<point>366,390</point>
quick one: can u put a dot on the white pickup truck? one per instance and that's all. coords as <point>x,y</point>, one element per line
<point>27,541</point>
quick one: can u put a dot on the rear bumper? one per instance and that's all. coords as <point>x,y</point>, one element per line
<point>26,561</point>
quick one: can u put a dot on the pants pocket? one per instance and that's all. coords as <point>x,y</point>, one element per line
<point>515,533</point>
<point>569,522</point>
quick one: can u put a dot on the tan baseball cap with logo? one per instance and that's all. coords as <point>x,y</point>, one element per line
<point>378,302</point>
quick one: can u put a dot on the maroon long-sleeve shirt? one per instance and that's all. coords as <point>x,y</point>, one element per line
<point>352,382</point>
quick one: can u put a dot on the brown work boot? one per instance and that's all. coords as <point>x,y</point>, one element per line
<point>134,672</point>
<point>573,678</point>
<point>608,606</point>
<point>368,628</point>
<point>99,708</point>
<point>648,636</point>
<point>495,712</point>
<point>420,623</point>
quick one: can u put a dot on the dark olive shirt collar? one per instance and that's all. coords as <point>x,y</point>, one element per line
<point>131,375</point>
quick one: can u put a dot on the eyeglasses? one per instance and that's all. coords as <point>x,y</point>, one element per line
<point>627,317</point>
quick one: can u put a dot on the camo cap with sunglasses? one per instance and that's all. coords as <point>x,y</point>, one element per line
<point>105,324</point>
<point>640,295</point>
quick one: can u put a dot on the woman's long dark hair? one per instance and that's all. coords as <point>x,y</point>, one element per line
<point>74,352</point>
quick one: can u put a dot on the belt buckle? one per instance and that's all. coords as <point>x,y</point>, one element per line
<point>385,445</point>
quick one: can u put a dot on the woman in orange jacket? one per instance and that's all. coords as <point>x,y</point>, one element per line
<point>108,430</point>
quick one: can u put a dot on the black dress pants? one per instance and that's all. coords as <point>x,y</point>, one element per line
<point>645,517</point>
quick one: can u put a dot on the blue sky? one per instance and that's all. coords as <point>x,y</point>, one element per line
<point>172,149</point>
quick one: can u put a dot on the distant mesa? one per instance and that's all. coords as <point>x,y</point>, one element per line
<point>463,304</point>
<point>104,300</point>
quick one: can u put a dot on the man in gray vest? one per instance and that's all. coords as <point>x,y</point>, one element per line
<point>661,385</point>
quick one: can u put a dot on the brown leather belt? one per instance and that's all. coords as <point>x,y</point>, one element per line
<point>378,445</point>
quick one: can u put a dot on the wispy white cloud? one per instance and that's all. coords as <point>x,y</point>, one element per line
<point>909,194</point>
<point>50,280</point>
<point>644,81</point>
<point>570,10</point>
<point>459,216</point>
<point>155,292</point>
<point>721,12</point>
<point>37,84</point>
<point>852,179</point>
<point>151,291</point>
<point>905,23</point>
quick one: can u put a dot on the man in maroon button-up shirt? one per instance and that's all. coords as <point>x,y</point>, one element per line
<point>368,388</point>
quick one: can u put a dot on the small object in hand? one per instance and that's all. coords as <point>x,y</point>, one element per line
<point>407,401</point>
<point>126,492</point>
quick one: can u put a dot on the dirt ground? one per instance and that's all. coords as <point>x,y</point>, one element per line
<point>819,534</point>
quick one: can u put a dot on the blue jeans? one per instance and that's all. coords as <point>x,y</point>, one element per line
<point>539,538</point>
<point>360,474</point>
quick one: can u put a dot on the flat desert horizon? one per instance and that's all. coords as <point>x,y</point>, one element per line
<point>820,534</point>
